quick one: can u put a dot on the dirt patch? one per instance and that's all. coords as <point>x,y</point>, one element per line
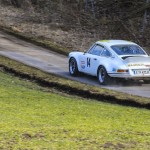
<point>55,32</point>
<point>28,136</point>
<point>110,145</point>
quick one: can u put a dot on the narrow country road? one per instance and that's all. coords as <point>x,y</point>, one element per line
<point>55,63</point>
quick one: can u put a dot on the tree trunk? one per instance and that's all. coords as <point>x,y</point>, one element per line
<point>15,3</point>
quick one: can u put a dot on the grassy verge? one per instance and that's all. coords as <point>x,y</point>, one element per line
<point>33,119</point>
<point>40,41</point>
<point>71,87</point>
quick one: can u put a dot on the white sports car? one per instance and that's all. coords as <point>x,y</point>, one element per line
<point>111,58</point>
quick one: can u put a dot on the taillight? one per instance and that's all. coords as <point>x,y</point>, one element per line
<point>122,70</point>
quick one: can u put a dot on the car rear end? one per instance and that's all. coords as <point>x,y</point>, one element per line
<point>138,67</point>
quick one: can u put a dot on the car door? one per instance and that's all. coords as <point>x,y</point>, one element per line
<point>89,61</point>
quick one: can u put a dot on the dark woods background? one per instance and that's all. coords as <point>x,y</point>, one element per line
<point>124,19</point>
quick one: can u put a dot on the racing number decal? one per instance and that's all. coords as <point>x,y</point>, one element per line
<point>88,62</point>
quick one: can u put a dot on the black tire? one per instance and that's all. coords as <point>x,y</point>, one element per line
<point>102,76</point>
<point>73,68</point>
<point>146,81</point>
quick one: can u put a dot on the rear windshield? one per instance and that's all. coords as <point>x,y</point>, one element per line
<point>128,50</point>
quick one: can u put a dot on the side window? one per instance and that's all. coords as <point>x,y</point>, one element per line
<point>96,50</point>
<point>106,53</point>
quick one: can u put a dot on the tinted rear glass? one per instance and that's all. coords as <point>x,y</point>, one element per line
<point>128,50</point>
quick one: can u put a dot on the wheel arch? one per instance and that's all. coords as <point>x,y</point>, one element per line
<point>77,61</point>
<point>73,70</point>
<point>74,57</point>
<point>102,75</point>
<point>101,65</point>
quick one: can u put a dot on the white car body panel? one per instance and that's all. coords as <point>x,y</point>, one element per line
<point>138,66</point>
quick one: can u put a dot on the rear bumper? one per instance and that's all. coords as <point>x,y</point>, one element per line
<point>129,76</point>
<point>133,73</point>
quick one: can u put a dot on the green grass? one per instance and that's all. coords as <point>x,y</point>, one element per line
<point>32,118</point>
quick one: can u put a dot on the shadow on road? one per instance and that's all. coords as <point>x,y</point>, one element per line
<point>114,82</point>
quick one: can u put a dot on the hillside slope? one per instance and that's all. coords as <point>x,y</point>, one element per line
<point>34,118</point>
<point>77,24</point>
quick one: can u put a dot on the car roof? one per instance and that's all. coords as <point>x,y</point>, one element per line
<point>114,42</point>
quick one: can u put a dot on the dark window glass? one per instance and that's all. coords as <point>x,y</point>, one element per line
<point>128,50</point>
<point>106,53</point>
<point>96,50</point>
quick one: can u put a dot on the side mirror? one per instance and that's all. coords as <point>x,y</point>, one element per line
<point>84,52</point>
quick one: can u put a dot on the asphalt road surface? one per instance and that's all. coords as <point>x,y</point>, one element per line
<point>55,63</point>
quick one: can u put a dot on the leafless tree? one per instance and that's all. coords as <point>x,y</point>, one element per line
<point>145,17</point>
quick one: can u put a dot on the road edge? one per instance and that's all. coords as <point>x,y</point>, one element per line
<point>35,40</point>
<point>71,90</point>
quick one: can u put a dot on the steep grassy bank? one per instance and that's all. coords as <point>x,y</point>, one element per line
<point>71,87</point>
<point>32,118</point>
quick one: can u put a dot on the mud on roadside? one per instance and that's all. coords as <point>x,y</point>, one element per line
<point>74,91</point>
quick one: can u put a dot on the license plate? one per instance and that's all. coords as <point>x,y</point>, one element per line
<point>141,72</point>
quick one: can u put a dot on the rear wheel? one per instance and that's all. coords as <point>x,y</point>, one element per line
<point>73,68</point>
<point>102,76</point>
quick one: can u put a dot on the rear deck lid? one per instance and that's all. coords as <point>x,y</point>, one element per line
<point>137,62</point>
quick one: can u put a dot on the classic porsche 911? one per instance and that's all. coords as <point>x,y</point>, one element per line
<point>109,59</point>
